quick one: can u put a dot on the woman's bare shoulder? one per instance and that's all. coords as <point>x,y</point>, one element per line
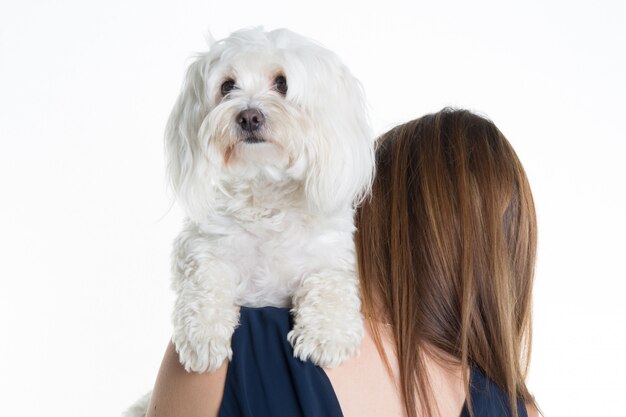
<point>356,380</point>
<point>178,393</point>
<point>364,386</point>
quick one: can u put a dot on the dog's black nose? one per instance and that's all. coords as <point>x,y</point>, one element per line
<point>250,119</point>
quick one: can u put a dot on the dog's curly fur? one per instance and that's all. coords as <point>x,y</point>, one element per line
<point>270,200</point>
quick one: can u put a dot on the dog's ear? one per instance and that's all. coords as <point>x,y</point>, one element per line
<point>185,162</point>
<point>342,157</point>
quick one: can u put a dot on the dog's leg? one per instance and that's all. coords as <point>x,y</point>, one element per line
<point>328,326</point>
<point>205,314</point>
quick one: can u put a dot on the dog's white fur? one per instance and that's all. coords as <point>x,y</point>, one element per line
<point>271,223</point>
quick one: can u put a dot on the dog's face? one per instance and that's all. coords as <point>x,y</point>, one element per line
<point>254,126</point>
<point>272,106</point>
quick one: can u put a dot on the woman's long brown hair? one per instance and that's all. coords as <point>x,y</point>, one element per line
<point>446,252</point>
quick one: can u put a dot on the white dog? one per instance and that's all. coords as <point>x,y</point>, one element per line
<point>269,150</point>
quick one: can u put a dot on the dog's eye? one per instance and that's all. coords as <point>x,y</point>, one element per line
<point>227,87</point>
<point>280,83</point>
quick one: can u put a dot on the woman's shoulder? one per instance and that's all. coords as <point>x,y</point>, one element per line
<point>263,362</point>
<point>264,376</point>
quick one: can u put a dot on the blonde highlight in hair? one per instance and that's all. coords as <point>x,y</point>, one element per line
<point>446,252</point>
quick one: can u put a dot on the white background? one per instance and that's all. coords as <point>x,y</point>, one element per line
<point>86,222</point>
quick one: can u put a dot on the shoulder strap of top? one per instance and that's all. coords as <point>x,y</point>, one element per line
<point>264,379</point>
<point>488,399</point>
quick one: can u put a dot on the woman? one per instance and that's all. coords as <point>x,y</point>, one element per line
<point>446,252</point>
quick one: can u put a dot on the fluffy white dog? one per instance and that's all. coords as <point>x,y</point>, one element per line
<point>269,149</point>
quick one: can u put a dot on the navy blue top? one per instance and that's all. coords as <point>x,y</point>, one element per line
<point>265,380</point>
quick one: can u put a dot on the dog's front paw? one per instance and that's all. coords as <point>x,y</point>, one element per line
<point>325,343</point>
<point>203,351</point>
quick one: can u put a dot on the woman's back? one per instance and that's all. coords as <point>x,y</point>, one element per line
<point>264,379</point>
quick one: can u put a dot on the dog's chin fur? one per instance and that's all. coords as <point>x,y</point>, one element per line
<point>270,212</point>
